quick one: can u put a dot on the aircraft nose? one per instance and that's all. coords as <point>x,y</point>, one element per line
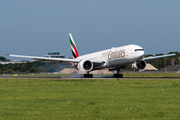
<point>142,54</point>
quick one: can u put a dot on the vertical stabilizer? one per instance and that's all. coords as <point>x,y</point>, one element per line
<point>73,47</point>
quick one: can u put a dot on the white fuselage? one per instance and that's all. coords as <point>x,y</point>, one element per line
<point>117,56</point>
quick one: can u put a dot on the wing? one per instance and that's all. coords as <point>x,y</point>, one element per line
<point>161,56</point>
<point>55,60</point>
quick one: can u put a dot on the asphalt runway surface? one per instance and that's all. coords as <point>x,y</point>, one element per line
<point>80,76</point>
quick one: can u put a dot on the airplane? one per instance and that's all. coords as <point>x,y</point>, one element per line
<point>114,59</point>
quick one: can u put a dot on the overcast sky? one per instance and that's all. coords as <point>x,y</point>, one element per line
<point>36,27</point>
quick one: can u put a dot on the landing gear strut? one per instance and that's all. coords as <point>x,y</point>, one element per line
<point>88,75</point>
<point>117,75</point>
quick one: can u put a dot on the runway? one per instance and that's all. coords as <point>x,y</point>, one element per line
<point>94,78</point>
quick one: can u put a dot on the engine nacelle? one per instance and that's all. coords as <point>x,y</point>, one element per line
<point>139,66</point>
<point>85,65</point>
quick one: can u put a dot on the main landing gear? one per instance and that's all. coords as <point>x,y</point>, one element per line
<point>88,75</point>
<point>117,75</point>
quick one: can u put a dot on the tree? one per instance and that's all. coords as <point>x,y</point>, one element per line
<point>3,59</point>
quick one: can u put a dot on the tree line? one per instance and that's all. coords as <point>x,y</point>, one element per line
<point>162,62</point>
<point>31,67</point>
<point>39,66</point>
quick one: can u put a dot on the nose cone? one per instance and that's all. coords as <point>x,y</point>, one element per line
<point>142,54</point>
<point>138,52</point>
<point>139,55</point>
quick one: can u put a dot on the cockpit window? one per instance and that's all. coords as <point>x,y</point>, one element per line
<point>139,50</point>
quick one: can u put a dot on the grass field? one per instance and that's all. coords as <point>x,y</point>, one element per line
<point>32,99</point>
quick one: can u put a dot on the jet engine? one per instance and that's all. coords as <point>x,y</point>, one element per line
<point>85,65</point>
<point>139,66</point>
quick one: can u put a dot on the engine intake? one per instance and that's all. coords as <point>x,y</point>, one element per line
<point>139,66</point>
<point>85,65</point>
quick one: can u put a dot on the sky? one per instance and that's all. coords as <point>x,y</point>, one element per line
<point>36,27</point>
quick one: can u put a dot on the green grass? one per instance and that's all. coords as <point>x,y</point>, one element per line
<point>32,99</point>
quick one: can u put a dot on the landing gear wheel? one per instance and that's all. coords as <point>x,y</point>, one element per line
<point>118,75</point>
<point>88,75</point>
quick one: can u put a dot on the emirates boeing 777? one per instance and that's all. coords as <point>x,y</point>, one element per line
<point>113,59</point>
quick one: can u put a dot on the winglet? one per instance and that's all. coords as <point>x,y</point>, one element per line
<point>74,50</point>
